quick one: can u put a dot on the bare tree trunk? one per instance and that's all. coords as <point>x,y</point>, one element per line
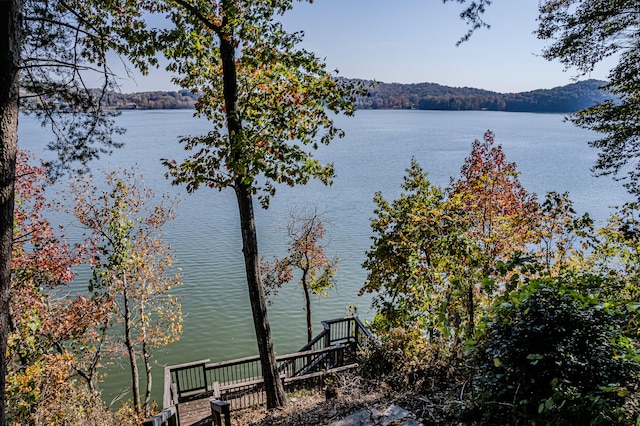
<point>272,383</point>
<point>131,350</point>
<point>307,301</point>
<point>146,357</point>
<point>10,36</point>
<point>471,327</point>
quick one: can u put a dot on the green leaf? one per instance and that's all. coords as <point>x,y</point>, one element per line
<point>633,306</point>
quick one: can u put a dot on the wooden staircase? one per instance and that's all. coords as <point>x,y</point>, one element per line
<point>238,384</point>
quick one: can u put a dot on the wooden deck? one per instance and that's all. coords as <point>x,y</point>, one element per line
<point>195,413</point>
<point>198,412</point>
<point>191,389</point>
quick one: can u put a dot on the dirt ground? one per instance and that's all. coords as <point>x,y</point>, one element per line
<point>350,393</point>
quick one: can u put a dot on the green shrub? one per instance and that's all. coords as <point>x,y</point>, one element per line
<point>407,360</point>
<point>552,357</point>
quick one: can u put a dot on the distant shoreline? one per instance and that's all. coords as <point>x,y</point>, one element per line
<point>418,96</point>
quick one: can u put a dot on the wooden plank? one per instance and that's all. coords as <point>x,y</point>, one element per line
<point>162,417</point>
<point>188,365</point>
<point>167,399</point>
<point>220,410</point>
<point>233,362</point>
<point>196,412</point>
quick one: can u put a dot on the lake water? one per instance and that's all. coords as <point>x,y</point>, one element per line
<point>551,155</point>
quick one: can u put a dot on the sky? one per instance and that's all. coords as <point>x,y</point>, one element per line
<point>414,41</point>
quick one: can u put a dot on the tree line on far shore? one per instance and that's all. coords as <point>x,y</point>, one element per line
<point>422,96</point>
<point>431,96</point>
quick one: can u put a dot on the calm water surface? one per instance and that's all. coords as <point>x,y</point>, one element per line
<point>551,155</point>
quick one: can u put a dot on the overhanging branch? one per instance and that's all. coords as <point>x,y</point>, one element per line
<point>198,15</point>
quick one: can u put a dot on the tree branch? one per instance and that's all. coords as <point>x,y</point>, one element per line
<point>196,13</point>
<point>53,62</point>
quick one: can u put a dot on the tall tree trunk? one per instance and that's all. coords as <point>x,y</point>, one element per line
<point>307,301</point>
<point>131,350</point>
<point>272,383</point>
<point>274,388</point>
<point>471,327</point>
<point>146,358</point>
<point>10,38</point>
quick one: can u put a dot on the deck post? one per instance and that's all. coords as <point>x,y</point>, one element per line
<point>327,335</point>
<point>356,331</point>
<point>168,416</point>
<point>338,357</point>
<point>219,410</point>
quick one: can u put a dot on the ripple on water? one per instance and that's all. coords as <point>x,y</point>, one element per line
<point>551,155</point>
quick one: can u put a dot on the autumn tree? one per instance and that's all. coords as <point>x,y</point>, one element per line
<point>413,264</point>
<point>270,104</point>
<point>57,341</point>
<point>500,215</point>
<point>132,267</point>
<point>307,254</point>
<point>50,360</point>
<point>49,50</point>
<point>436,253</point>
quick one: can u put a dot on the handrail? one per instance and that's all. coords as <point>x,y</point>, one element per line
<point>326,327</point>
<point>188,364</point>
<point>190,380</point>
<point>363,328</point>
<point>283,362</point>
<point>339,336</point>
<point>168,415</point>
<point>302,354</point>
<point>232,362</point>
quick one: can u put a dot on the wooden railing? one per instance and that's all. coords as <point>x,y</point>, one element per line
<point>168,417</point>
<point>189,380</point>
<point>239,382</point>
<point>340,331</point>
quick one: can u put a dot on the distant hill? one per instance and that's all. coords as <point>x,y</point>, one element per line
<point>182,99</point>
<point>425,96</point>
<point>431,96</point>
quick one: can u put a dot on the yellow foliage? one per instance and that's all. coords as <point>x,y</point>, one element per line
<point>44,393</point>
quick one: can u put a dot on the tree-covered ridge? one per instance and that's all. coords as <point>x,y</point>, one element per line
<point>182,99</point>
<point>431,96</point>
<point>425,96</point>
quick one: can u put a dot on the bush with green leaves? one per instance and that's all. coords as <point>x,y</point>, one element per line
<point>553,356</point>
<point>401,358</point>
